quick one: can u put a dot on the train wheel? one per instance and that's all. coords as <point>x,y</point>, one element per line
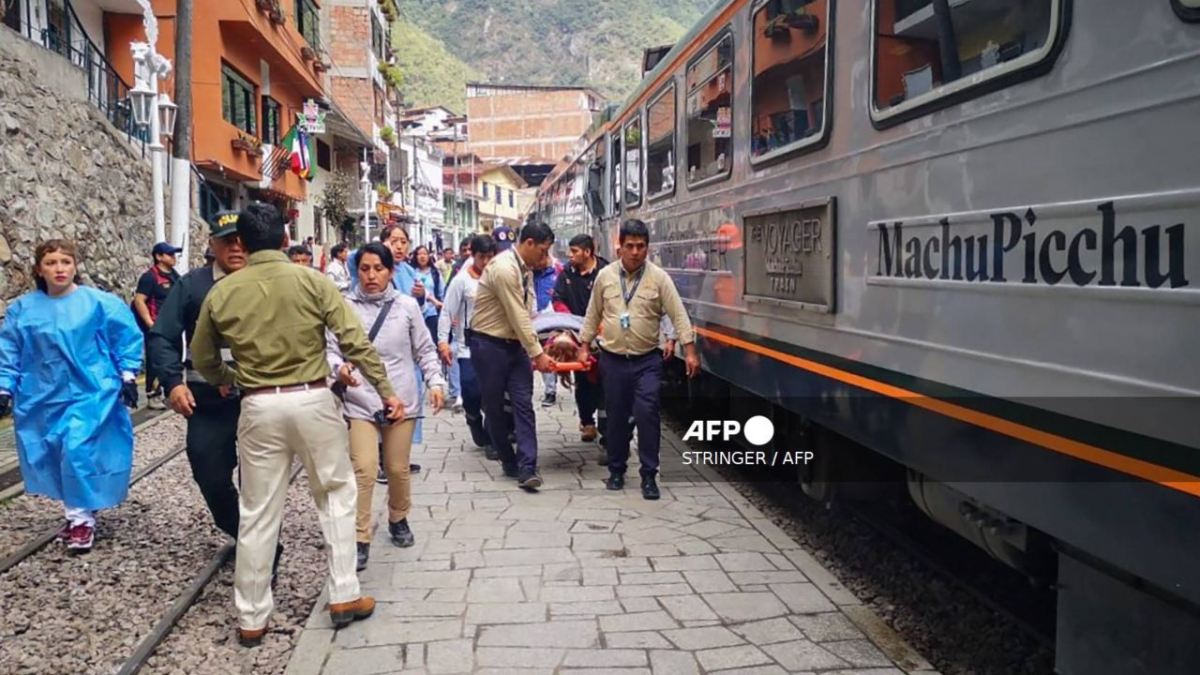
<point>818,477</point>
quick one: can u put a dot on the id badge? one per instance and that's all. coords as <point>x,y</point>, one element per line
<point>625,322</point>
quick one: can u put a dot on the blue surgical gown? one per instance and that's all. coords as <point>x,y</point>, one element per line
<point>62,359</point>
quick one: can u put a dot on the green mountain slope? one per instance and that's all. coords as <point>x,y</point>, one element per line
<point>432,75</point>
<point>572,42</point>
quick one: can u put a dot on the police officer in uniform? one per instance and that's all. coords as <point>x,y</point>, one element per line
<point>212,415</point>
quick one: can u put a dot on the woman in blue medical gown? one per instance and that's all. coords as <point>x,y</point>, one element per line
<point>68,358</point>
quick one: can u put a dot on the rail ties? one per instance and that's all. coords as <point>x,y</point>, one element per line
<point>180,607</point>
<point>182,604</point>
<point>38,542</point>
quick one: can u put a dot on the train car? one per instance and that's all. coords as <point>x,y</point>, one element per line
<point>960,234</point>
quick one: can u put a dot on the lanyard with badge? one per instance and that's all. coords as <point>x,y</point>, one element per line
<point>627,295</point>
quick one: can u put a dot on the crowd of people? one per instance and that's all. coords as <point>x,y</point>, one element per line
<point>270,361</point>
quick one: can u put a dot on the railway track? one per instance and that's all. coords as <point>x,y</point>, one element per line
<point>11,484</point>
<point>145,649</point>
<point>1032,624</point>
<point>863,542</point>
<point>192,588</point>
<point>39,541</point>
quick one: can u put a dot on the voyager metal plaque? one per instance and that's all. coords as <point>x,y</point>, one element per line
<point>789,256</point>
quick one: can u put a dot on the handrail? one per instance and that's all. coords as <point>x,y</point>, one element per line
<point>105,87</point>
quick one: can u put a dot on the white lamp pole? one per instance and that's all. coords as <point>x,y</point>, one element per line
<point>366,186</point>
<point>150,68</point>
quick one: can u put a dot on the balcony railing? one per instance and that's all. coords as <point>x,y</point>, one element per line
<point>65,35</point>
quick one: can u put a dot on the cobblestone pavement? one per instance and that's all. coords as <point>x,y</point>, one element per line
<point>579,579</point>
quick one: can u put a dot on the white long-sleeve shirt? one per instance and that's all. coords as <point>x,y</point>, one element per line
<point>338,274</point>
<point>457,309</point>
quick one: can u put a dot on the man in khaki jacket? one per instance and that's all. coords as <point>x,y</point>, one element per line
<point>629,300</point>
<point>502,343</point>
<point>273,316</point>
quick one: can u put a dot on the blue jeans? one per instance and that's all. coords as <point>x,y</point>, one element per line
<point>455,378</point>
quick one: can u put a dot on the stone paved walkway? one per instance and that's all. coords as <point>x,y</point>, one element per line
<point>580,579</point>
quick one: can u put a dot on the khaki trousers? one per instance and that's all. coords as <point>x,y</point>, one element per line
<point>364,454</point>
<point>274,429</point>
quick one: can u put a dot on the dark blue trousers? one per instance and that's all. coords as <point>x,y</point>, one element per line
<point>502,367</point>
<point>587,397</point>
<point>631,389</point>
<point>473,402</point>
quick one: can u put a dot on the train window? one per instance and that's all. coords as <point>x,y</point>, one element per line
<point>660,145</point>
<point>710,113</point>
<point>616,173</point>
<point>633,163</point>
<point>791,71</point>
<point>932,50</point>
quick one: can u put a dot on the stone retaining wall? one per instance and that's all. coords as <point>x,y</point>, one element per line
<point>65,172</point>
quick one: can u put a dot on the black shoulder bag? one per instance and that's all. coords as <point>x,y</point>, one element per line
<point>338,388</point>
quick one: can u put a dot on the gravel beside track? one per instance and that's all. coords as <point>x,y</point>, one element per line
<point>205,639</point>
<point>85,614</point>
<point>25,516</point>
<point>957,633</point>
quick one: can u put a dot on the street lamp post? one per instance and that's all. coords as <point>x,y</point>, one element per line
<point>153,110</point>
<point>366,188</point>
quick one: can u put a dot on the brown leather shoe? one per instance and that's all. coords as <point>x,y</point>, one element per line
<point>588,433</point>
<point>251,638</point>
<point>345,613</point>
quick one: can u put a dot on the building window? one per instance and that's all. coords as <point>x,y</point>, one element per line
<point>922,55</point>
<point>710,113</point>
<point>238,104</point>
<point>499,191</point>
<point>633,163</point>
<point>511,200</point>
<point>324,156</point>
<point>272,117</point>
<point>790,67</point>
<point>378,39</point>
<point>660,145</point>
<point>379,98</point>
<point>308,22</point>
<point>485,190</point>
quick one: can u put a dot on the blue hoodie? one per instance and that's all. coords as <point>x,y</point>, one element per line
<point>543,282</point>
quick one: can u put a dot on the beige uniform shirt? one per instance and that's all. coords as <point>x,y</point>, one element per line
<point>506,301</point>
<point>655,296</point>
<point>273,315</point>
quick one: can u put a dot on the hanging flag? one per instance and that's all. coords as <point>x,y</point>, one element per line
<point>300,154</point>
<point>312,153</point>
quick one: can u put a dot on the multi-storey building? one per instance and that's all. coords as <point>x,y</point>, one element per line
<point>529,128</point>
<point>528,121</point>
<point>503,196</point>
<point>256,66</point>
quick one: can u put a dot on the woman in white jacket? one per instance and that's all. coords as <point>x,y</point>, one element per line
<point>404,344</point>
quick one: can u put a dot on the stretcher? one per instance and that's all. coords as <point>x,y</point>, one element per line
<point>559,334</point>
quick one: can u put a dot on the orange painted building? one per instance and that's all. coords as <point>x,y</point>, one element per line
<point>252,69</point>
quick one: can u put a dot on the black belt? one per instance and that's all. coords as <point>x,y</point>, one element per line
<point>490,338</point>
<point>631,357</point>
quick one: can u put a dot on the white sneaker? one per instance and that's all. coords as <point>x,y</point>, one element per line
<point>156,403</point>
<point>458,405</point>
